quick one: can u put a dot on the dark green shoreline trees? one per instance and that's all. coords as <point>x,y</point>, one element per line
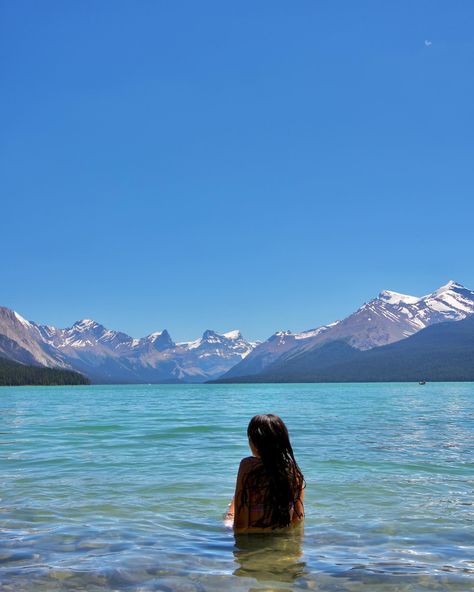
<point>14,374</point>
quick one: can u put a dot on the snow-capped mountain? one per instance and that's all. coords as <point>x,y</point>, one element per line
<point>385,319</point>
<point>439,352</point>
<point>212,343</point>
<point>213,352</point>
<point>393,316</point>
<point>112,356</point>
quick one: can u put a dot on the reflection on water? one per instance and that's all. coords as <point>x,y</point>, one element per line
<point>270,557</point>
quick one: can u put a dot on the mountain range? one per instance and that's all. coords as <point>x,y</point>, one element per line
<point>107,356</point>
<point>441,352</point>
<point>389,318</point>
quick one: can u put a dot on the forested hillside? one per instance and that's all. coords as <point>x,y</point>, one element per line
<point>14,374</point>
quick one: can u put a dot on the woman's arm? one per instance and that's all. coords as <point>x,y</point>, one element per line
<point>229,515</point>
<point>241,512</point>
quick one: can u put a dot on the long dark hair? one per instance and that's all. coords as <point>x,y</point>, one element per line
<point>278,478</point>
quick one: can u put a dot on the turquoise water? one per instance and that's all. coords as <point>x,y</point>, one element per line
<point>123,488</point>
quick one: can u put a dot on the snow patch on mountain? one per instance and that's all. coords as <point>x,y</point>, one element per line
<point>315,332</point>
<point>396,298</point>
<point>451,285</point>
<point>154,336</point>
<point>23,321</point>
<point>233,334</point>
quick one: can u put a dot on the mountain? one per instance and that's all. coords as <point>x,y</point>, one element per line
<point>22,341</point>
<point>112,356</point>
<point>267,352</point>
<point>104,355</point>
<point>215,353</point>
<point>386,319</point>
<point>441,352</point>
<point>16,374</point>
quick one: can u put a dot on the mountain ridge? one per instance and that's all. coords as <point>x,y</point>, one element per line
<point>106,355</point>
<point>386,319</point>
<point>111,356</point>
<point>440,352</point>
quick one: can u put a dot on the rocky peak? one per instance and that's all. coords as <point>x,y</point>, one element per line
<point>161,340</point>
<point>210,335</point>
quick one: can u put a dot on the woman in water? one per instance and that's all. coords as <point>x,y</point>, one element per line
<point>269,491</point>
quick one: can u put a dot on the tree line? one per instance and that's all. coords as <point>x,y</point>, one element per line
<point>14,374</point>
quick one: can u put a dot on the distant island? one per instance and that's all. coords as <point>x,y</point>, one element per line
<point>15,374</point>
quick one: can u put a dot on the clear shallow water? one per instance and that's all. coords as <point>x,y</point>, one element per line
<point>123,488</point>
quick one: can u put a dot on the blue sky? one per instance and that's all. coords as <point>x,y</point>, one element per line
<point>255,165</point>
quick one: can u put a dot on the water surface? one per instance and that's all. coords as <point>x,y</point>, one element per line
<point>123,488</point>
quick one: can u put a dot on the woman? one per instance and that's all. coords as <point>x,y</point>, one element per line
<point>269,491</point>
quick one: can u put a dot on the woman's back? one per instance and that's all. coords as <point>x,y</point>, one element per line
<point>254,506</point>
<point>270,486</point>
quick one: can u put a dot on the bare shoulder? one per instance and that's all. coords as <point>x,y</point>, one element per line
<point>246,466</point>
<point>248,463</point>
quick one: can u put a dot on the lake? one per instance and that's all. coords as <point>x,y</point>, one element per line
<point>124,487</point>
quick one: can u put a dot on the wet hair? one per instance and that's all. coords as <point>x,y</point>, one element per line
<point>277,478</point>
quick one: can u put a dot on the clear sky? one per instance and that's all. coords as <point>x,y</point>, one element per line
<point>255,165</point>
